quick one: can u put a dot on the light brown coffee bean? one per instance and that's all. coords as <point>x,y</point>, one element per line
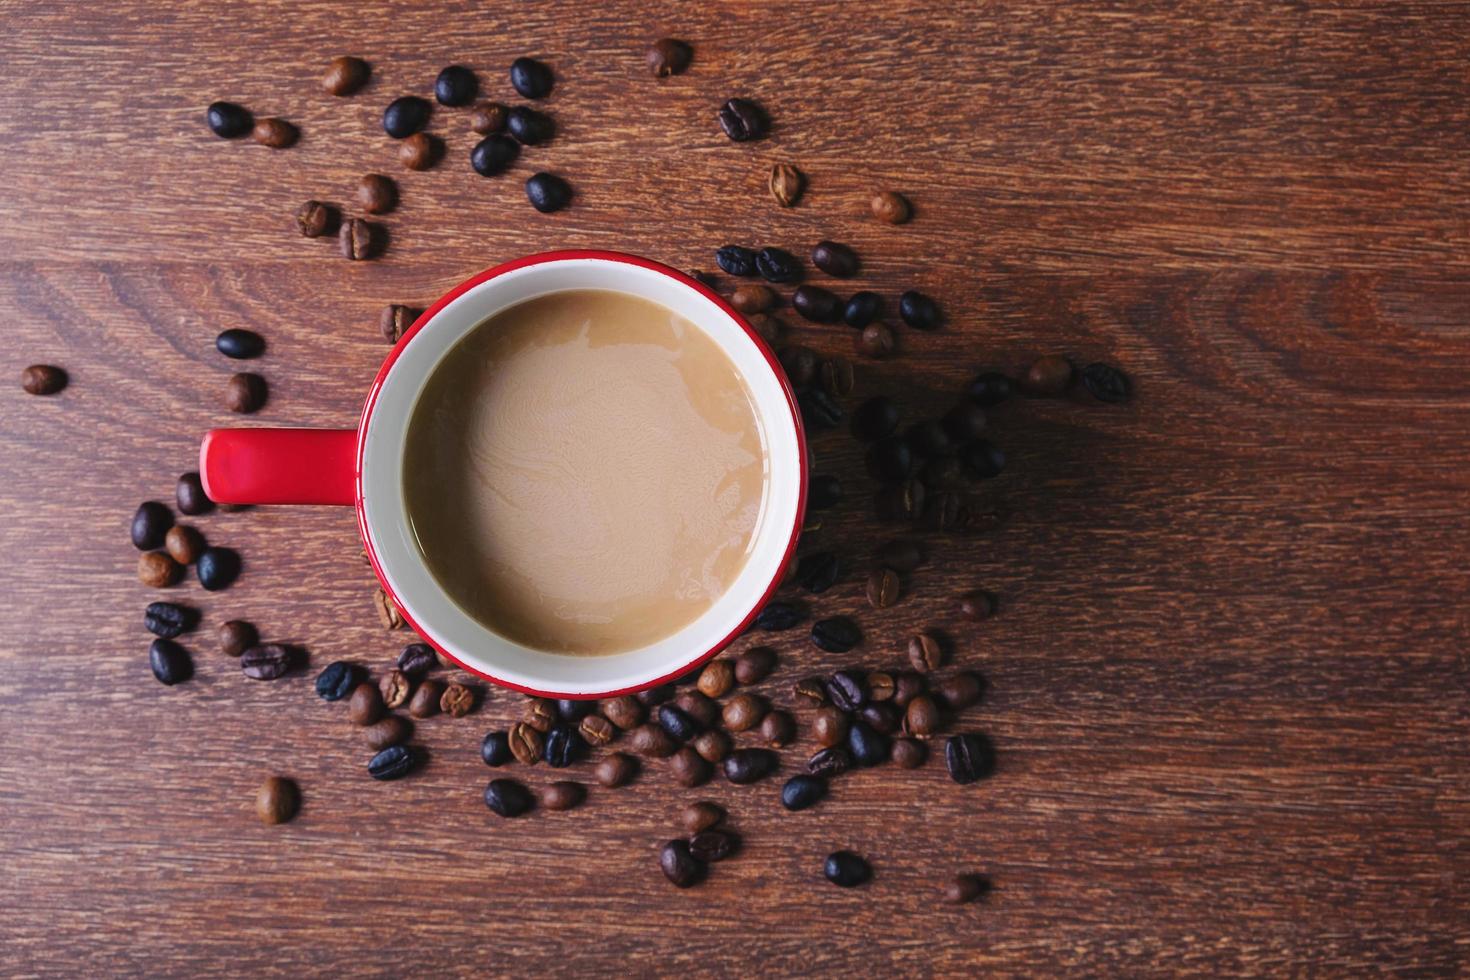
<point>668,57</point>
<point>457,700</point>
<point>157,570</point>
<point>387,611</point>
<point>314,219</point>
<point>961,690</point>
<point>425,700</point>
<point>615,769</point>
<point>907,685</point>
<point>892,207</point>
<point>345,75</point>
<point>696,818</point>
<point>625,711</point>
<point>926,653</point>
<point>488,117</point>
<point>245,392</point>
<point>717,678</point>
<point>365,705</point>
<point>274,133</point>
<point>829,726</point>
<point>778,729</point>
<point>883,588</point>
<point>395,687</point>
<point>541,714</point>
<point>712,745</point>
<point>876,340</point>
<point>651,740</point>
<point>755,664</point>
<point>921,719</point>
<point>811,692</point>
<point>564,794</point>
<point>699,707</point>
<point>419,151</point>
<point>525,744</point>
<point>768,328</point>
<point>597,730</point>
<point>183,544</point>
<point>236,636</point>
<point>358,239</point>
<point>277,800</point>
<point>377,194</point>
<point>786,184</point>
<point>880,685</point>
<point>386,731</point>
<point>753,298</point>
<point>395,320</point>
<point>689,768</point>
<point>743,712</point>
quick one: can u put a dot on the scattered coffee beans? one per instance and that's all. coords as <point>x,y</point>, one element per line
<point>835,259</point>
<point>743,120</point>
<point>395,320</point>
<point>274,133</point>
<point>508,798</point>
<point>908,754</point>
<point>345,75</point>
<point>456,85</point>
<point>811,692</point>
<point>829,726</point>
<point>190,497</point>
<point>548,192</point>
<point>667,56</point>
<point>777,729</point>
<point>169,620</point>
<point>425,700</point>
<point>493,154</point>
<point>689,768</point>
<point>170,662</point>
<point>837,376</point>
<point>750,765</point>
<point>816,304</point>
<point>529,126</point>
<point>266,662</point>
<point>717,678</point>
<point>42,379</point>
<point>277,800</point>
<point>239,344</point>
<point>907,685</point>
<point>977,605</point>
<point>681,867</point>
<point>416,660</point>
<point>525,744</point>
<point>531,78</point>
<point>881,685</point>
<point>336,681</point>
<point>564,794</point>
<point>419,151</point>
<point>157,570</point>
<point>754,665</point>
<point>245,392</point>
<point>488,117</point>
<point>743,712</point>
<point>615,769</point>
<point>405,116</point>
<point>786,184</point>
<point>711,846</point>
<point>883,588</point>
<point>1107,383</point>
<point>495,749</point>
<point>970,757</point>
<point>777,265</point>
<point>394,762</point>
<point>457,700</point>
<point>228,120</point>
<point>356,239</point>
<point>801,792</point>
<point>837,634</point>
<point>846,870</point>
<point>882,717</point>
<point>217,568</point>
<point>819,571</point>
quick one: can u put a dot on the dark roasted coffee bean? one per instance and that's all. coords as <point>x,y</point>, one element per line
<point>846,870</point>
<point>837,634</point>
<point>157,570</point>
<point>819,411</point>
<point>651,740</point>
<point>277,800</point>
<point>457,700</point>
<point>918,310</point>
<point>337,680</point>
<point>493,154</point>
<point>921,719</point>
<point>217,568</point>
<point>753,666</point>
<point>961,690</point>
<point>456,85</point>
<point>365,704</point>
<point>877,340</point>
<point>169,661</point>
<point>696,818</point>
<point>229,121</point>
<point>245,392</point>
<point>800,364</point>
<point>970,757</point>
<point>778,265</point>
<point>713,845</point>
<point>941,473</point>
<point>963,889</point>
<point>508,798</point>
<point>266,662</point>
<point>819,571</point>
<point>907,753</point>
<point>345,75</point>
<point>890,460</point>
<point>236,636</point>
<point>749,765</point>
<point>717,678</point>
<point>488,117</point>
<point>778,729</point>
<point>712,745</point>
<point>677,723</point>
<point>564,794</point>
<point>816,304</point>
<point>837,376</point>
<point>377,194</point>
<point>597,730</point>
<point>977,605</point>
<point>625,711</point>
<point>862,309</point>
<point>901,554</point>
<point>829,726</point>
<point>945,511</point>
<point>689,768</point>
<point>151,522</point>
<point>867,747</point>
<point>824,491</point>
<point>681,867</point>
<point>829,762</point>
<point>405,116</point>
<point>778,616</point>
<point>531,78</point>
<point>983,458</point>
<point>548,192</point>
<point>417,659</point>
<point>239,344</point>
<point>902,502</point>
<point>767,328</point>
<point>615,769</point>
<point>655,696</point>
<point>274,133</point>
<point>529,126</point>
<point>1050,374</point>
<point>42,379</point>
<point>1107,383</point>
<point>743,712</point>
<point>743,120</point>
<point>926,651</point>
<point>574,709</point>
<point>753,297</point>
<point>929,438</point>
<point>696,705</point>
<point>882,717</point>
<point>803,791</point>
<point>495,749</point>
<point>668,57</point>
<point>989,388</point>
<point>810,692</point>
<point>875,419</point>
<point>395,321</point>
<point>394,762</point>
<point>835,259</point>
<point>386,731</point>
<point>737,260</point>
<point>168,620</point>
<point>846,690</point>
<point>907,685</point>
<point>883,588</point>
<point>357,239</point>
<point>964,422</point>
<point>563,747</point>
<point>525,744</point>
<point>190,497</point>
<point>425,700</point>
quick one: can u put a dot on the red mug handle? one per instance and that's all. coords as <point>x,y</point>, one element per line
<point>279,466</point>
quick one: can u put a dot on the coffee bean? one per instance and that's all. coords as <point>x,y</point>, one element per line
<point>696,818</point>
<point>457,700</point>
<point>829,726</point>
<point>652,741</point>
<point>767,328</point>
<point>743,120</point>
<point>961,690</point>
<point>245,392</point>
<point>777,265</point>
<point>456,85</point>
<point>420,151</point>
<point>900,554</point>
<point>801,792</point>
<point>495,749</point>
<point>563,747</point>
<point>778,616</point>
<point>754,665</point>
<point>240,344</point>
<point>737,260</point>
<point>169,620</point>
<point>876,340</point>
<point>846,691</point>
<point>963,889</point>
<point>548,192</point>
<point>217,568</point>
<point>846,870</point>
<point>816,304</point>
<point>819,571</point>
<point>689,768</point>
<point>786,184</point>
<point>274,133</point>
<point>677,723</point>
<point>837,376</point>
<point>977,605</point>
<point>837,634</point>
<point>891,207</point>
<point>597,730</point>
<point>313,219</point>
<point>170,662</point>
<point>386,731</point>
<point>890,460</point>
<point>277,800</point>
<point>405,116</point>
<point>236,636</point>
<point>907,685</point>
<point>749,765</point>
<point>488,117</point>
<point>377,194</point>
<point>866,746</point>
<point>493,154</point>
<point>907,753</point>
<point>743,712</point>
<point>983,459</point>
<point>531,78</point>
<point>682,868</point>
<point>336,681</point>
<point>564,794</point>
<point>926,651</point>
<point>875,419</point>
<point>266,662</point>
<point>425,700</point>
<point>42,379</point>
<point>229,121</point>
<point>525,744</point>
<point>157,570</point>
<point>918,310</point>
<point>190,497</point>
<point>883,588</point>
<point>970,757</point>
<point>810,692</point>
<point>713,845</point>
<point>753,298</point>
<point>395,688</point>
<point>183,544</point>
<point>625,711</point>
<point>345,75</point>
<point>941,473</point>
<point>1107,383</point>
<point>416,660</point>
<point>667,56</point>
<point>778,729</point>
<point>615,769</point>
<point>365,705</point>
<point>1050,374</point>
<point>529,126</point>
<point>819,411</point>
<point>395,321</point>
<point>828,762</point>
<point>880,685</point>
<point>903,502</point>
<point>882,717</point>
<point>835,259</point>
<point>922,718</point>
<point>357,239</point>
<point>394,762</point>
<point>717,678</point>
<point>508,798</point>
<point>928,437</point>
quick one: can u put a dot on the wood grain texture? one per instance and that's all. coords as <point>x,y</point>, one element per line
<point>1229,674</point>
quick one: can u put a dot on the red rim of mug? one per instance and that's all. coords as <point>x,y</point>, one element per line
<point>606,256</point>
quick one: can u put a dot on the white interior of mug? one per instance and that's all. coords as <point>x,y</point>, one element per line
<point>384,508</point>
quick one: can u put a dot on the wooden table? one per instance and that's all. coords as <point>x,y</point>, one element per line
<point>1228,675</point>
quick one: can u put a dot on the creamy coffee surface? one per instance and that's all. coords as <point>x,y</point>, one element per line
<point>585,472</point>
